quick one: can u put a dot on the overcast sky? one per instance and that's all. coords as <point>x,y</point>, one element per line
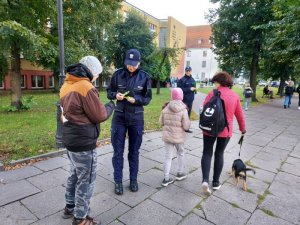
<point>188,12</point>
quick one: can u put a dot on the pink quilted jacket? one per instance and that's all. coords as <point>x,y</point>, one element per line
<point>232,107</point>
<point>175,120</point>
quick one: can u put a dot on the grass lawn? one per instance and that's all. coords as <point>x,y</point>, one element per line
<point>30,133</point>
<point>239,90</point>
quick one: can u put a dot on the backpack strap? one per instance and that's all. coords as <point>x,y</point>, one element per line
<point>218,93</point>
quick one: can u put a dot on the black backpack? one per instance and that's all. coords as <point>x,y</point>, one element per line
<point>248,93</point>
<point>213,117</point>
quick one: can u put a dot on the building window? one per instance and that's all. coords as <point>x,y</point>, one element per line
<point>23,81</point>
<point>203,64</point>
<point>200,41</point>
<point>51,81</point>
<point>204,53</point>
<point>188,63</point>
<point>96,82</point>
<point>105,82</point>
<point>37,81</point>
<point>202,76</point>
<point>152,27</point>
<point>1,84</point>
<point>188,53</point>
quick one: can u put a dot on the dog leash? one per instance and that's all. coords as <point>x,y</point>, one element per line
<point>241,143</point>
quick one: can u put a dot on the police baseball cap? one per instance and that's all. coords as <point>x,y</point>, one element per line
<point>188,68</point>
<point>132,57</point>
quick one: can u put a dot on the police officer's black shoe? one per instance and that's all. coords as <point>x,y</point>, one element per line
<point>189,131</point>
<point>119,188</point>
<point>134,187</point>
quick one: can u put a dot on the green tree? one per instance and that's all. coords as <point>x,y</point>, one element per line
<point>160,65</point>
<point>133,32</point>
<point>237,39</point>
<point>281,55</point>
<point>21,32</point>
<point>29,28</point>
<point>86,25</point>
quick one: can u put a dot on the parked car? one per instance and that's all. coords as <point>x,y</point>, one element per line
<point>242,82</point>
<point>274,84</point>
<point>262,83</point>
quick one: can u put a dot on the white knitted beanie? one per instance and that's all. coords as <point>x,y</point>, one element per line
<point>93,64</point>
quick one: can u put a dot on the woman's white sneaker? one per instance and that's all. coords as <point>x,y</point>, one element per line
<point>205,188</point>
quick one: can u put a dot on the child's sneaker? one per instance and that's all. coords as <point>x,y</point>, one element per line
<point>165,182</point>
<point>205,188</point>
<point>181,176</point>
<point>216,185</point>
<point>67,214</point>
<point>87,221</point>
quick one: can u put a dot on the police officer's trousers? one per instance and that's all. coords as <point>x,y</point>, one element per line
<point>118,135</point>
<point>189,105</point>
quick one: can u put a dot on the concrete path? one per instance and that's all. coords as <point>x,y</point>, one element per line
<point>35,194</point>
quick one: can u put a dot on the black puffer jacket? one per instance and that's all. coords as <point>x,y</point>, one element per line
<point>82,110</point>
<point>289,90</point>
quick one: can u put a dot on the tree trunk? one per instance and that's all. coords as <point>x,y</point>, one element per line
<point>16,95</point>
<point>280,91</point>
<point>100,83</point>
<point>282,84</point>
<point>253,70</point>
<point>165,55</point>
<point>56,83</point>
<point>158,87</point>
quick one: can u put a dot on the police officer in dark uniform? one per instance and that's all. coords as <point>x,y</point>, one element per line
<point>131,86</point>
<point>188,86</point>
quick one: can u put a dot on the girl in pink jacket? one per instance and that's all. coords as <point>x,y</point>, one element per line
<point>175,121</point>
<point>223,83</point>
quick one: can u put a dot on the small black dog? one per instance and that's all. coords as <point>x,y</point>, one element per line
<point>239,170</point>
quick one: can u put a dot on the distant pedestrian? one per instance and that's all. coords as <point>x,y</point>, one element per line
<point>131,86</point>
<point>172,80</point>
<point>298,91</point>
<point>175,121</point>
<point>267,91</point>
<point>223,83</point>
<point>188,86</point>
<point>82,114</point>
<point>288,91</point>
<point>247,96</point>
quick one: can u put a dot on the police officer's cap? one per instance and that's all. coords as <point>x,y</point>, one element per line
<point>188,68</point>
<point>132,57</point>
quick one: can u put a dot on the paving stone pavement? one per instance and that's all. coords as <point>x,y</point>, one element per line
<point>34,195</point>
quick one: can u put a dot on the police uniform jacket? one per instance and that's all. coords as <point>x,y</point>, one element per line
<point>138,86</point>
<point>185,83</point>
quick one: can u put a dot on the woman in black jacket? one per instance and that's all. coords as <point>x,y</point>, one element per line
<point>298,91</point>
<point>289,90</point>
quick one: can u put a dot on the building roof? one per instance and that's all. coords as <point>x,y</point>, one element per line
<point>198,36</point>
<point>140,10</point>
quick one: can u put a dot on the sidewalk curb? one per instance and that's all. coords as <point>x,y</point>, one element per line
<point>58,152</point>
<point>52,154</point>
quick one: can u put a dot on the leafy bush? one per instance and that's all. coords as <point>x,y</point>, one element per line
<point>28,101</point>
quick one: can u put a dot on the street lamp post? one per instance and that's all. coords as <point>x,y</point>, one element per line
<point>58,136</point>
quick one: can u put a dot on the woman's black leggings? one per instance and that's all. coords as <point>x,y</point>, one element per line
<point>208,144</point>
